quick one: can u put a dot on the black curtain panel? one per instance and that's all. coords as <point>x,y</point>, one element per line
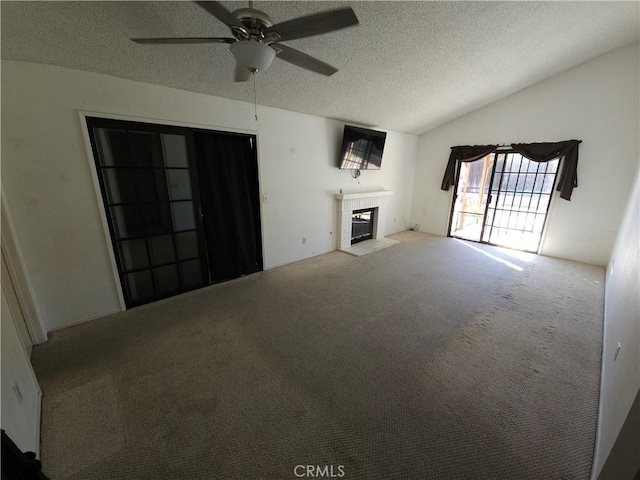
<point>545,152</point>
<point>467,153</point>
<point>228,173</point>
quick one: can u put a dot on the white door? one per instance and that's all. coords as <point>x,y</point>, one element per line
<point>20,416</point>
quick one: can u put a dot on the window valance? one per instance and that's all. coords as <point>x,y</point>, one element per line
<point>536,152</point>
<point>463,154</point>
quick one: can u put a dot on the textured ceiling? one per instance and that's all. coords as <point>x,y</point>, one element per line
<point>408,66</point>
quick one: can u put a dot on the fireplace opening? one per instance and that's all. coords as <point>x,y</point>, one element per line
<point>362,225</point>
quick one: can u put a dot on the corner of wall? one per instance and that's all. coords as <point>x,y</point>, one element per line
<point>620,377</point>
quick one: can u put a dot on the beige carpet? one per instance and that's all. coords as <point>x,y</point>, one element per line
<point>431,359</point>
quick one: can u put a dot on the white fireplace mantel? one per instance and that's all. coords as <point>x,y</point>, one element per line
<point>351,196</point>
<point>347,203</point>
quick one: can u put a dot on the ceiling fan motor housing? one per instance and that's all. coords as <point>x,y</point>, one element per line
<point>250,52</point>
<point>254,21</point>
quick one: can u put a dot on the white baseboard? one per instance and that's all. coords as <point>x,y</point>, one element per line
<point>84,320</point>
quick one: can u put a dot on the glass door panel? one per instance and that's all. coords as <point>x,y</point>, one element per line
<point>471,196</point>
<point>520,195</point>
<point>148,185</point>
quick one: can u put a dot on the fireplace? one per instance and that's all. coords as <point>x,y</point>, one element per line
<point>362,225</point>
<point>353,205</point>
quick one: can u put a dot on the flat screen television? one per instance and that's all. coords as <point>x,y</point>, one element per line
<point>361,149</point>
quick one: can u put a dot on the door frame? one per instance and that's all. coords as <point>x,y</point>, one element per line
<point>17,271</point>
<point>83,115</point>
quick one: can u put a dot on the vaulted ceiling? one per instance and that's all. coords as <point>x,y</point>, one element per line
<point>408,66</point>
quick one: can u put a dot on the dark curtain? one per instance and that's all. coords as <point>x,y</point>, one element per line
<point>228,177</point>
<point>463,154</point>
<point>18,465</point>
<point>545,152</point>
<point>537,152</point>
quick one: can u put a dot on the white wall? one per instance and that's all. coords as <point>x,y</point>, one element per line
<point>49,188</point>
<point>620,380</point>
<point>596,102</point>
<point>20,416</point>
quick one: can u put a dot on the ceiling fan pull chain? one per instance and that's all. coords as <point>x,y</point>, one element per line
<point>255,97</point>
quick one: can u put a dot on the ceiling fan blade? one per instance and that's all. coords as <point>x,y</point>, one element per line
<point>183,40</point>
<point>303,60</point>
<point>314,24</point>
<point>242,74</point>
<point>221,13</point>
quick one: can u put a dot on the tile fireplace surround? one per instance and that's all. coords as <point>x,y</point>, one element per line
<point>347,203</point>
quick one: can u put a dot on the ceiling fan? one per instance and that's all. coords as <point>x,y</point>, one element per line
<point>256,40</point>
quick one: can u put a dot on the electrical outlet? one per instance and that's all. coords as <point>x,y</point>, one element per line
<point>16,390</point>
<point>304,240</point>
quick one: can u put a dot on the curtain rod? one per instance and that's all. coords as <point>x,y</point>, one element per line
<point>509,144</point>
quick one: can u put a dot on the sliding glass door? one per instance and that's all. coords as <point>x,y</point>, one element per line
<point>149,189</point>
<point>503,199</point>
<point>472,193</point>
<point>182,204</point>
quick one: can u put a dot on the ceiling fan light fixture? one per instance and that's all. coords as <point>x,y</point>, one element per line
<point>254,56</point>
